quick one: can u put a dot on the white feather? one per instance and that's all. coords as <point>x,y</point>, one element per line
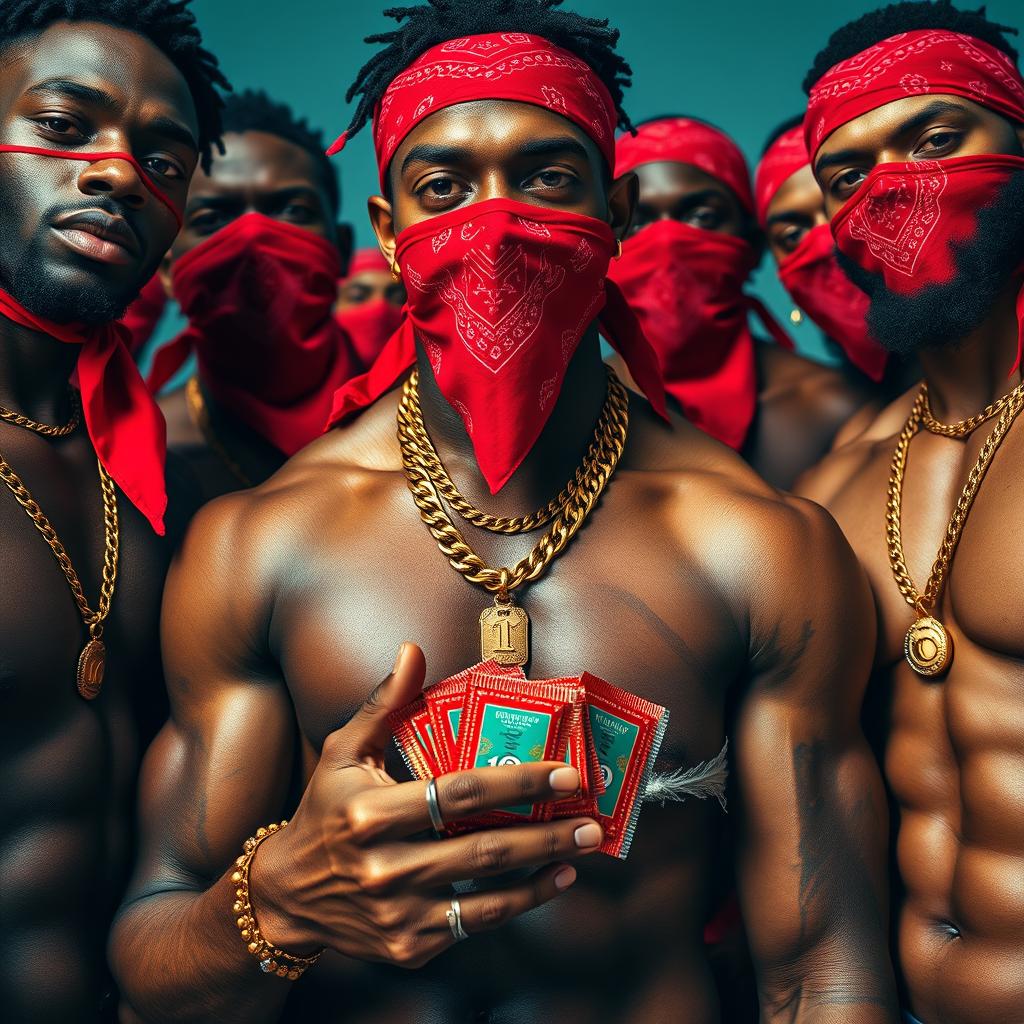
<point>704,781</point>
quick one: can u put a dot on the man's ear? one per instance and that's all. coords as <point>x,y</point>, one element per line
<point>343,239</point>
<point>165,274</point>
<point>623,195</point>
<point>382,219</point>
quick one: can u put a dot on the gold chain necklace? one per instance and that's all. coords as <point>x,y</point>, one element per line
<point>504,628</point>
<point>200,416</point>
<point>963,427</point>
<point>46,429</point>
<point>445,486</point>
<point>927,646</point>
<point>92,660</point>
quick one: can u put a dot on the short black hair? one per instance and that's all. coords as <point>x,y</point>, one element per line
<point>779,130</point>
<point>252,110</point>
<point>168,24</point>
<point>438,21</point>
<point>908,16</point>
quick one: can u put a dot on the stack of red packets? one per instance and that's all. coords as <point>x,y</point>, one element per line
<point>491,715</point>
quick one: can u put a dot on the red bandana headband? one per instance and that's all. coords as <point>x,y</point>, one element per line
<point>366,261</point>
<point>685,141</point>
<point>924,62</point>
<point>783,158</point>
<point>495,66</point>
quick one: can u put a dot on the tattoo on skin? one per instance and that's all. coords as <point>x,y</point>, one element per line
<point>778,660</point>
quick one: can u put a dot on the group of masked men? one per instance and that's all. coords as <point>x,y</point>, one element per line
<point>208,566</point>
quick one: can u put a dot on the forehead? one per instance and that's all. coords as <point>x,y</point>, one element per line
<point>799,193</point>
<point>255,159</point>
<point>669,178</point>
<point>484,128</point>
<point>878,126</point>
<point>115,60</point>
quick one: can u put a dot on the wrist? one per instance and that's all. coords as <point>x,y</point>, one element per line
<point>272,935</point>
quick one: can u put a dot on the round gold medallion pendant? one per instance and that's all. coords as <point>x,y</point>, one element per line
<point>91,664</point>
<point>928,647</point>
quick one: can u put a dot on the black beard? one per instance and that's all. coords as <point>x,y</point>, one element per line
<point>941,315</point>
<point>47,296</point>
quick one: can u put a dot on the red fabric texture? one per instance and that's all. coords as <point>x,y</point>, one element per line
<point>494,66</point>
<point>125,425</point>
<point>364,261</point>
<point>368,326</point>
<point>685,141</point>
<point>923,62</point>
<point>95,158</point>
<point>783,158</point>
<point>907,219</point>
<point>144,314</point>
<point>500,294</point>
<point>259,296</point>
<point>816,283</point>
<point>686,287</point>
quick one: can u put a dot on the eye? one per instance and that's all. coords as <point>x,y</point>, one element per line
<point>789,238</point>
<point>441,191</point>
<point>298,213</point>
<point>706,217</point>
<point>163,167</point>
<point>847,182</point>
<point>61,126</point>
<point>206,221</point>
<point>550,178</point>
<point>940,142</point>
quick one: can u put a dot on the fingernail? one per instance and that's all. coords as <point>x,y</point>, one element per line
<point>564,780</point>
<point>565,878</point>
<point>398,660</point>
<point>587,836</point>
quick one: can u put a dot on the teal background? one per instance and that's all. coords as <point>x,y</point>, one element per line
<point>738,65</point>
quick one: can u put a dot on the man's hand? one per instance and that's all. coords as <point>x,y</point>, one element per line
<point>354,872</point>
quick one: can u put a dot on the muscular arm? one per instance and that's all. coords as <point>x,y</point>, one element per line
<point>212,776</point>
<point>813,826</point>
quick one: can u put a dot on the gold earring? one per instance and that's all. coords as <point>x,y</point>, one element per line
<point>795,316</point>
<point>618,248</point>
<point>396,271</point>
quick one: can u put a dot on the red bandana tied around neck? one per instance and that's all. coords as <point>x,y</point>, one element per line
<point>259,296</point>
<point>125,426</point>
<point>685,141</point>
<point>905,218</point>
<point>811,274</point>
<point>368,324</point>
<point>493,66</point>
<point>500,294</point>
<point>686,287</point>
<point>923,62</point>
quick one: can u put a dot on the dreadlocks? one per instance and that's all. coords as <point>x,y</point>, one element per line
<point>254,111</point>
<point>168,24</point>
<point>909,16</point>
<point>437,21</point>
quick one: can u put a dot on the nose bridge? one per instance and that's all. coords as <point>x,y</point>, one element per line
<point>113,174</point>
<point>493,185</point>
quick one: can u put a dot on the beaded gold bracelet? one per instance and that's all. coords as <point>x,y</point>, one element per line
<point>272,960</point>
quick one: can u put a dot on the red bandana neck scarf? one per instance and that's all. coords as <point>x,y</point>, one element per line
<point>685,141</point>
<point>125,426</point>
<point>903,219</point>
<point>811,274</point>
<point>816,283</point>
<point>259,296</point>
<point>923,62</point>
<point>686,287</point>
<point>500,294</point>
<point>368,326</point>
<point>494,66</point>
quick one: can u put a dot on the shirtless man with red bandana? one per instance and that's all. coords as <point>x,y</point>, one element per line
<point>916,130</point>
<point>687,586</point>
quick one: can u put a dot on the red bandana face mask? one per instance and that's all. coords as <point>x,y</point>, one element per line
<point>686,287</point>
<point>500,294</point>
<point>368,327</point>
<point>259,297</point>
<point>819,287</point>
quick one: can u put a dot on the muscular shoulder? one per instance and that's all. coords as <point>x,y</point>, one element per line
<point>857,453</point>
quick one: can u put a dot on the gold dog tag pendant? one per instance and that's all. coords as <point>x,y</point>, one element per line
<point>505,634</point>
<point>92,663</point>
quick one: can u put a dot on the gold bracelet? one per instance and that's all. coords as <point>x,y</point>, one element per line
<point>271,959</point>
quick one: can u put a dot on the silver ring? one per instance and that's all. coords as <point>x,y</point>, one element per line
<point>455,921</point>
<point>433,809</point>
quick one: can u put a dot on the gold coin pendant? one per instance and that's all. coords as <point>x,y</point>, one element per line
<point>91,665</point>
<point>928,647</point>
